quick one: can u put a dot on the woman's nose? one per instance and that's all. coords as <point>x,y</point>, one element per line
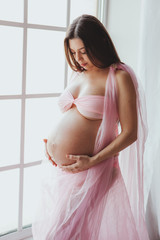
<point>78,57</point>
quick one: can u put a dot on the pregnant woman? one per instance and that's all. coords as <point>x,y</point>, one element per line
<point>88,195</point>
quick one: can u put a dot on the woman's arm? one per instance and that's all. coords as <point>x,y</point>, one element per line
<point>127,117</point>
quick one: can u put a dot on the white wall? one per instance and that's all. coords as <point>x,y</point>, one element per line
<point>123,24</point>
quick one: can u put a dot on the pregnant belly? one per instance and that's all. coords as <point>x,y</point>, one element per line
<point>74,135</point>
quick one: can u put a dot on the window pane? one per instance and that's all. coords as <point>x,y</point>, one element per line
<point>69,75</point>
<point>10,131</point>
<point>48,12</point>
<point>11,10</point>
<point>83,7</point>
<point>42,115</point>
<point>9,184</point>
<point>31,193</point>
<point>45,62</point>
<point>10,60</point>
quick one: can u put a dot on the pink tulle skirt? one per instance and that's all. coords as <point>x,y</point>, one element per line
<point>92,204</point>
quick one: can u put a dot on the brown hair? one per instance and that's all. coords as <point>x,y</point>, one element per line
<point>98,44</point>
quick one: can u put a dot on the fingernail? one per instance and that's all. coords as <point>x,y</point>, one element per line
<point>45,140</point>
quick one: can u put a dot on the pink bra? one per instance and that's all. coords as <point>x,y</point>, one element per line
<point>90,106</point>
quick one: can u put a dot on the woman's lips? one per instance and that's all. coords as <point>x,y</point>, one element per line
<point>83,64</point>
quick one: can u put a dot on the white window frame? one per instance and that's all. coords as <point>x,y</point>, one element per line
<point>103,7</point>
<point>101,14</point>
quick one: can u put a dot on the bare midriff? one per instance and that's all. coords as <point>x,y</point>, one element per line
<point>74,134</point>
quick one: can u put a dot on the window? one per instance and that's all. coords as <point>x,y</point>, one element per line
<point>33,73</point>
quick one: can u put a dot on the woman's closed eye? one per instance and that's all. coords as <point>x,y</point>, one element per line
<point>83,52</point>
<point>73,53</point>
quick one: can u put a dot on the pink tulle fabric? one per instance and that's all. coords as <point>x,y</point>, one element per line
<point>90,106</point>
<point>104,202</point>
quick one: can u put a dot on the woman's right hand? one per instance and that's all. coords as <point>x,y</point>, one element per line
<point>47,154</point>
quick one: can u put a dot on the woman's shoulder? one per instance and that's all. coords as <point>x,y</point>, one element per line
<point>120,71</point>
<point>124,81</point>
<point>122,75</point>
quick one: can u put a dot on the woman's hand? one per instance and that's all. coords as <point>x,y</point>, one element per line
<point>47,154</point>
<point>82,162</point>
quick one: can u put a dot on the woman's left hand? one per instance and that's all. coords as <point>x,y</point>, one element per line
<point>82,162</point>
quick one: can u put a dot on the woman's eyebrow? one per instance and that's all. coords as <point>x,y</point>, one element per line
<point>77,49</point>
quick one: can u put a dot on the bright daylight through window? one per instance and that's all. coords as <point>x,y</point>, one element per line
<point>33,73</point>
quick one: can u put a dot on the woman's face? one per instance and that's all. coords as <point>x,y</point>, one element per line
<point>79,53</point>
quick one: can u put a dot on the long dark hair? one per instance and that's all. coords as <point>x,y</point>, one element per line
<point>98,44</point>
